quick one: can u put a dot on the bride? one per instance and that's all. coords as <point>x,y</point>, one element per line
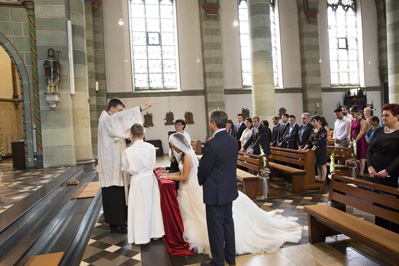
<point>255,230</point>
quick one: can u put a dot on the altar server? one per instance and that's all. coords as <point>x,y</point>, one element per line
<point>144,219</point>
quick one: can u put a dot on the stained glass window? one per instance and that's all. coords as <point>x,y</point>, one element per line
<point>153,41</point>
<point>245,43</point>
<point>343,42</point>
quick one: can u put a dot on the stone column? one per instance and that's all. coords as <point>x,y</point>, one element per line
<point>91,74</point>
<point>310,56</point>
<point>212,62</point>
<point>382,40</point>
<point>81,115</point>
<point>393,49</point>
<point>263,95</point>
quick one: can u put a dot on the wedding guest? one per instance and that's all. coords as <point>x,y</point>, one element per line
<point>230,127</point>
<point>113,128</point>
<point>367,115</point>
<point>246,135</point>
<point>276,131</point>
<point>347,115</point>
<point>239,129</point>
<point>291,134</point>
<point>144,216</point>
<point>318,140</point>
<point>375,123</point>
<point>341,129</point>
<point>304,131</point>
<point>383,155</point>
<point>356,134</point>
<point>283,129</point>
<point>266,124</point>
<point>180,125</point>
<point>260,137</point>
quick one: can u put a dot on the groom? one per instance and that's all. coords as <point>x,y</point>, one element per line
<point>217,175</point>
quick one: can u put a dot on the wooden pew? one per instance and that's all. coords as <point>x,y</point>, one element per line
<point>327,220</point>
<point>197,146</point>
<point>251,183</point>
<point>340,154</point>
<point>303,177</point>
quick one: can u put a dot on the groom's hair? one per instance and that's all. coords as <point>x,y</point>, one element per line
<point>114,103</point>
<point>137,131</point>
<point>219,117</point>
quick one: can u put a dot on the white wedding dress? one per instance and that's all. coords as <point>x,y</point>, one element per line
<point>255,230</point>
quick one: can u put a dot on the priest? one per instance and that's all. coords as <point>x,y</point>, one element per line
<point>113,128</point>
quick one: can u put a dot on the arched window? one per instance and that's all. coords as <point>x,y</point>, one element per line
<point>343,42</point>
<point>246,44</point>
<point>153,41</point>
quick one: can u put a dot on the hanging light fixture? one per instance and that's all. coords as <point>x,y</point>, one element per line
<point>121,22</point>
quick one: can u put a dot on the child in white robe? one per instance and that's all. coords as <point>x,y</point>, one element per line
<point>144,220</point>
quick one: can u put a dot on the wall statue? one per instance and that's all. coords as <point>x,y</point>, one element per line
<point>148,120</point>
<point>52,71</point>
<point>188,117</point>
<point>245,113</point>
<point>169,119</point>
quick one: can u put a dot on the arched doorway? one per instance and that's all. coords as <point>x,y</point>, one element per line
<point>25,95</point>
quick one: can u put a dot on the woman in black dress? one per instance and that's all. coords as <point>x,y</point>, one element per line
<point>383,155</point>
<point>318,139</point>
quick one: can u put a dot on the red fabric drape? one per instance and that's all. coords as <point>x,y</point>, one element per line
<point>172,220</point>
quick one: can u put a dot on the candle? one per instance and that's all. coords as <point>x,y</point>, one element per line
<point>317,105</point>
<point>96,85</point>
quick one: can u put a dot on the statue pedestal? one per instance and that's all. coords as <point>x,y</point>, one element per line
<point>52,99</point>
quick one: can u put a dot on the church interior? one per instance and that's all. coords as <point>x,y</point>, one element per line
<point>61,61</point>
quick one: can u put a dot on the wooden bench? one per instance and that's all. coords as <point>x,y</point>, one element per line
<point>327,220</point>
<point>303,177</point>
<point>197,146</point>
<point>341,154</point>
<point>251,183</point>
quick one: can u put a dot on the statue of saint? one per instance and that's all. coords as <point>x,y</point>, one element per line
<point>245,113</point>
<point>148,120</point>
<point>52,71</point>
<point>188,117</point>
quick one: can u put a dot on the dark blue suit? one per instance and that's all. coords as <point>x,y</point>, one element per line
<point>217,175</point>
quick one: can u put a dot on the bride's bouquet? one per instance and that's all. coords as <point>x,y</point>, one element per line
<point>352,162</point>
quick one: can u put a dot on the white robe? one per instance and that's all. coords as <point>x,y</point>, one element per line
<point>112,130</point>
<point>144,216</point>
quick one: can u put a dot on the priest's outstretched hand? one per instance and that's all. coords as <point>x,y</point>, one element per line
<point>147,105</point>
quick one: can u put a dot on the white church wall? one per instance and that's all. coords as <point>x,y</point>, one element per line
<point>230,45</point>
<point>292,102</point>
<point>235,103</point>
<point>118,53</point>
<point>290,48</point>
<point>178,105</point>
<point>323,44</point>
<point>331,101</point>
<point>370,42</point>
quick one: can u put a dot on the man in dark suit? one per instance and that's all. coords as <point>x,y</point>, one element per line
<point>239,129</point>
<point>283,130</point>
<point>276,130</point>
<point>304,131</point>
<point>260,136</point>
<point>291,134</point>
<point>217,175</point>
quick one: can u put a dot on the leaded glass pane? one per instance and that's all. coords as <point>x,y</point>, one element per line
<point>168,38</point>
<point>170,80</point>
<point>152,2</point>
<point>353,55</point>
<point>169,66</point>
<point>155,66</point>
<point>168,52</point>
<point>139,52</point>
<point>140,80</point>
<point>334,78</point>
<point>156,81</point>
<point>354,78</point>
<point>138,24</point>
<point>139,38</point>
<point>167,25</point>
<point>343,78</point>
<point>138,11</point>
<point>353,66</point>
<point>153,24</point>
<point>334,66</point>
<point>152,11</point>
<point>140,66</point>
<point>154,52</point>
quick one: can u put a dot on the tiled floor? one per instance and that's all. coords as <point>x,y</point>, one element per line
<point>109,249</point>
<point>17,184</point>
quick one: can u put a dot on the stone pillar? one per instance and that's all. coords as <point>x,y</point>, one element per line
<point>57,125</point>
<point>99,58</point>
<point>263,95</point>
<point>382,40</point>
<point>212,62</point>
<point>91,74</point>
<point>310,56</point>
<point>80,105</point>
<point>393,49</point>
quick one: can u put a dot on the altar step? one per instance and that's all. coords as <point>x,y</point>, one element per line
<point>50,220</point>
